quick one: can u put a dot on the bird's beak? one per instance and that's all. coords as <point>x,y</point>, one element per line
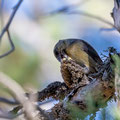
<point>59,58</point>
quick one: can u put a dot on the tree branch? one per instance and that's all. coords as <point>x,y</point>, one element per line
<point>8,115</point>
<point>5,29</point>
<point>11,102</point>
<point>19,94</point>
<point>70,10</point>
<point>11,44</point>
<point>116,14</point>
<point>10,19</point>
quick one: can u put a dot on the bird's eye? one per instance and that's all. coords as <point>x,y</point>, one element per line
<point>56,53</point>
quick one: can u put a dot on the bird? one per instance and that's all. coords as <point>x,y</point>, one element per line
<point>77,58</point>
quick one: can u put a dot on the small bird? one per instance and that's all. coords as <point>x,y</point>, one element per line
<point>80,51</point>
<point>79,54</point>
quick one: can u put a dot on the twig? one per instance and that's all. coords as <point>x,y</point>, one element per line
<point>10,19</point>
<point>5,29</point>
<point>116,14</point>
<point>92,16</point>
<point>69,7</point>
<point>1,13</point>
<point>11,44</point>
<point>19,95</point>
<point>118,3</point>
<point>8,115</point>
<point>70,10</point>
<point>11,102</point>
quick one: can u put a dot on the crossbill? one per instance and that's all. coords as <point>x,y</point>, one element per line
<point>78,50</point>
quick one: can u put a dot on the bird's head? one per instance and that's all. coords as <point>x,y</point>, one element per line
<point>60,48</point>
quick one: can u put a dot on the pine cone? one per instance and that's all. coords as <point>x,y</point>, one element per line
<point>72,73</point>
